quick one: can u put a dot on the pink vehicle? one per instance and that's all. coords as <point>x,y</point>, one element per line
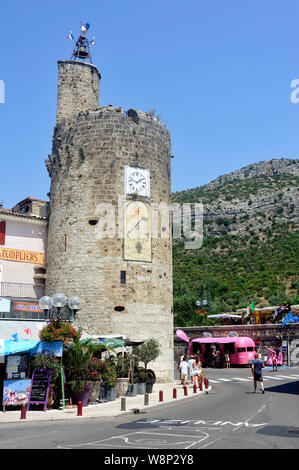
<point>241,349</point>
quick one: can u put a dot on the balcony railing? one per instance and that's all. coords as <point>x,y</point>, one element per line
<point>18,290</point>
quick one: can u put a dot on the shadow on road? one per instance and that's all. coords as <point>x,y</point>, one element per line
<point>281,431</point>
<point>291,388</point>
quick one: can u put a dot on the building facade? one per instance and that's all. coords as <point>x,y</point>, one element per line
<point>23,242</point>
<point>109,238</point>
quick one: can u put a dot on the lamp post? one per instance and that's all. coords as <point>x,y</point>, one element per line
<point>58,308</point>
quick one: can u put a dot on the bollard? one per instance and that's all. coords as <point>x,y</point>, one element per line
<point>23,411</point>
<point>122,403</point>
<point>146,399</point>
<point>200,386</point>
<point>206,383</point>
<point>161,395</point>
<point>194,388</point>
<point>79,408</point>
<point>185,390</point>
<point>174,393</point>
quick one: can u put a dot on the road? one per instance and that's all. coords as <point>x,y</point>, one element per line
<point>229,417</point>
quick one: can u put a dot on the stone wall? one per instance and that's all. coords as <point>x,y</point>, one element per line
<point>264,336</point>
<point>85,257</point>
<point>78,88</point>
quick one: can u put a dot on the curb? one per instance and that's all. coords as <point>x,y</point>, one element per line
<point>71,414</point>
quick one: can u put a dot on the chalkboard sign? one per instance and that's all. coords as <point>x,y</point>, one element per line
<point>40,385</point>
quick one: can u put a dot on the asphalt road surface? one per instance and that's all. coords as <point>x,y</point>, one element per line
<point>231,416</point>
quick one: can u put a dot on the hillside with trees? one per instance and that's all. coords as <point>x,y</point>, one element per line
<point>250,248</point>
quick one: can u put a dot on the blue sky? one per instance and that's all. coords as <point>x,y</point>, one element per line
<point>218,72</point>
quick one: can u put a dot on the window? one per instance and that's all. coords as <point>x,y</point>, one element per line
<point>123,277</point>
<point>250,348</point>
<point>2,232</point>
<point>239,350</point>
<point>119,308</point>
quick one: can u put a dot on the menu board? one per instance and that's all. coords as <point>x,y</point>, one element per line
<point>39,390</point>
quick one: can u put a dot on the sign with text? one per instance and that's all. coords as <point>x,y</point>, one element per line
<point>8,254</point>
<point>26,307</point>
<point>39,389</point>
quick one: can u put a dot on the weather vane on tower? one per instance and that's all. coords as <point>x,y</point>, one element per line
<point>81,49</point>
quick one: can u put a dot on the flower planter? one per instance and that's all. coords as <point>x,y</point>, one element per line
<point>141,388</point>
<point>83,396</point>
<point>121,386</point>
<point>132,390</point>
<point>106,394</point>
<point>149,387</point>
<point>95,392</point>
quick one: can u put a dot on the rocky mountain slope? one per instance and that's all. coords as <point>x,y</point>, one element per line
<point>251,239</point>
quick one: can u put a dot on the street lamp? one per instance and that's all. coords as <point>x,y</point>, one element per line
<point>58,308</point>
<point>203,303</point>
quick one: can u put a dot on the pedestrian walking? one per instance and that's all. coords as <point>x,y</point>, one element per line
<point>227,359</point>
<point>179,362</point>
<point>184,368</point>
<point>257,372</point>
<point>190,363</point>
<point>197,370</point>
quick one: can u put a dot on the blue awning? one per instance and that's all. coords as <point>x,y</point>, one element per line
<point>9,346</point>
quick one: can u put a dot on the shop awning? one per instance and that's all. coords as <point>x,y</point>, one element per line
<point>112,342</point>
<point>9,346</point>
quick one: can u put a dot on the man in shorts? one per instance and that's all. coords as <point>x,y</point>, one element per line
<point>184,368</point>
<point>256,368</point>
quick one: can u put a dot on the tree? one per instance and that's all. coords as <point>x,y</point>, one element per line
<point>147,352</point>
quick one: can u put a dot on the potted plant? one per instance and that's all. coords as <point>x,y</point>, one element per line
<point>145,353</point>
<point>122,367</point>
<point>95,369</point>
<point>41,361</point>
<point>76,360</point>
<point>57,330</point>
<point>108,382</point>
<point>141,381</point>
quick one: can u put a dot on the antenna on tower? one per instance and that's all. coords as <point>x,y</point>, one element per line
<point>81,50</point>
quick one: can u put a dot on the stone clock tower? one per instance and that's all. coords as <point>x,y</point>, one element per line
<point>109,237</point>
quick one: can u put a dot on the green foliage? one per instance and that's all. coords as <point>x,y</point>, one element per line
<point>147,352</point>
<point>241,272</point>
<point>41,361</point>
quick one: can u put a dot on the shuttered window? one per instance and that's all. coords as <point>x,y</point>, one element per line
<point>2,232</point>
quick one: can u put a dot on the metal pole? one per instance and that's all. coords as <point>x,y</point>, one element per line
<point>123,404</point>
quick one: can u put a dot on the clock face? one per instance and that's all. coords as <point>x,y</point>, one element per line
<point>137,181</point>
<point>137,242</point>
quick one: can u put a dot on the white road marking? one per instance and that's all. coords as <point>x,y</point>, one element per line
<point>212,381</point>
<point>274,378</point>
<point>225,380</point>
<point>242,380</point>
<point>287,377</point>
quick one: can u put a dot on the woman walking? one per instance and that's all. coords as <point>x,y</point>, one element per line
<point>197,370</point>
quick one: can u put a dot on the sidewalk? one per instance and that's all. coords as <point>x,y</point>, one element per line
<point>109,409</point>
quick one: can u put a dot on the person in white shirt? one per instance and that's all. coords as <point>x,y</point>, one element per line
<point>184,368</point>
<point>190,363</point>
